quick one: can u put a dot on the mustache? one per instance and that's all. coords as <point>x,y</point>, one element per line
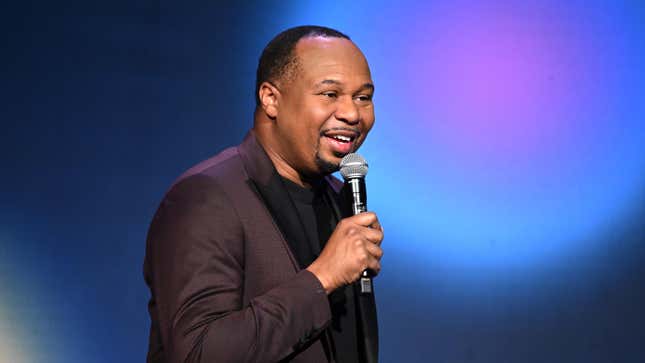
<point>356,131</point>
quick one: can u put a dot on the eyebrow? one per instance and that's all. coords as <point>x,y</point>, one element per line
<point>366,85</point>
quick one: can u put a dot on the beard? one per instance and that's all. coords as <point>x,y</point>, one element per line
<point>326,167</point>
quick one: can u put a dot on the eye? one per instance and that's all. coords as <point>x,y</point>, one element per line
<point>330,94</point>
<point>363,98</point>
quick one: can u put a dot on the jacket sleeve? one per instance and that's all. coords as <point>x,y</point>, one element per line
<point>195,268</point>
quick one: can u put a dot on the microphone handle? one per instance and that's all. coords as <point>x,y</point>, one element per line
<point>359,205</point>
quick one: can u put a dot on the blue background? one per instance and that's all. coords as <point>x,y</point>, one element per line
<point>507,165</point>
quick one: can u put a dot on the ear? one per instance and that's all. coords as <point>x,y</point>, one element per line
<point>268,95</point>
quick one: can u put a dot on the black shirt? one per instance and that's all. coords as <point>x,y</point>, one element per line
<point>319,219</point>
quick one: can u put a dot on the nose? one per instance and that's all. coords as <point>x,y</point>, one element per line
<point>347,111</point>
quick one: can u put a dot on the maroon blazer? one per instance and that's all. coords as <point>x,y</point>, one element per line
<point>225,285</point>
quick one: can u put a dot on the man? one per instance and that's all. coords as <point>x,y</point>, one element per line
<point>249,257</point>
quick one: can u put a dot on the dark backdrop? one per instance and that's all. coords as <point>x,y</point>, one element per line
<point>105,104</point>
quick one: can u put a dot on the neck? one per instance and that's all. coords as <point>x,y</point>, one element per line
<point>281,165</point>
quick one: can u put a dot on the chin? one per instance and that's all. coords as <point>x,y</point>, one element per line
<point>327,166</point>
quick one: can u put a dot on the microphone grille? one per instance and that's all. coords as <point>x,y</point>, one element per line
<point>353,166</point>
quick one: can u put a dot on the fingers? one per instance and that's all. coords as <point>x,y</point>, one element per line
<point>373,235</point>
<point>373,257</point>
<point>367,225</point>
<point>353,247</point>
<point>374,265</point>
<point>376,225</point>
<point>374,250</point>
<point>366,219</point>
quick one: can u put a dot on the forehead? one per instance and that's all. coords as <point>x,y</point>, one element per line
<point>323,58</point>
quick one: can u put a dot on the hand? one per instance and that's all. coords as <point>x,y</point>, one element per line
<point>354,246</point>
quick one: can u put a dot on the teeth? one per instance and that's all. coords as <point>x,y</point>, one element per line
<point>342,138</point>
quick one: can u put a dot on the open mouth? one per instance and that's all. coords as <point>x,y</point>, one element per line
<point>342,138</point>
<point>341,141</point>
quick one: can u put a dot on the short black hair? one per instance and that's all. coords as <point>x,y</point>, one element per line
<point>278,59</point>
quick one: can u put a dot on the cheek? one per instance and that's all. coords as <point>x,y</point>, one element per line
<point>368,122</point>
<point>316,121</point>
<point>321,116</point>
<point>368,119</point>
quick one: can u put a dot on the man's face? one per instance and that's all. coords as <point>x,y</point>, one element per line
<point>325,110</point>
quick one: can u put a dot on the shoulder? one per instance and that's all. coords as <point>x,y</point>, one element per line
<point>225,165</point>
<point>214,175</point>
<point>199,203</point>
<point>205,187</point>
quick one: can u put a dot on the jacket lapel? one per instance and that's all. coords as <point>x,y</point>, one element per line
<point>266,181</point>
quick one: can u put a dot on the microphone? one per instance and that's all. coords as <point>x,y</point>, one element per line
<point>353,168</point>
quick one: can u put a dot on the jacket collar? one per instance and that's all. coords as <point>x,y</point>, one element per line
<point>259,166</point>
<point>265,179</point>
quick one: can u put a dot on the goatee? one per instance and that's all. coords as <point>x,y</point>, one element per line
<point>326,167</point>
